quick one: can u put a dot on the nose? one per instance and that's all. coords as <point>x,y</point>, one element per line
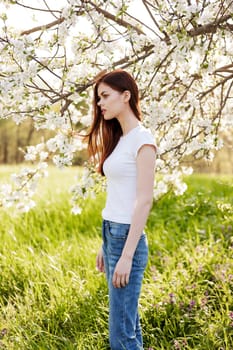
<point>99,103</point>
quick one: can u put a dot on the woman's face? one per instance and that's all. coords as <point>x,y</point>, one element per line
<point>111,102</point>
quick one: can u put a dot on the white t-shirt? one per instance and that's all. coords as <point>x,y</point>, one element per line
<point>120,171</point>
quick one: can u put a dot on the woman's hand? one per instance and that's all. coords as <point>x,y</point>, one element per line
<point>122,272</point>
<point>100,261</point>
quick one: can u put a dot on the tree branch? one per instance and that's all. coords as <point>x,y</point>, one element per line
<point>209,27</point>
<point>43,27</point>
<point>152,17</point>
<point>147,50</point>
<point>222,82</point>
<point>118,20</point>
<point>35,8</point>
<point>228,69</point>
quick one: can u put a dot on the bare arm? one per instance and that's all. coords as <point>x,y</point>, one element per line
<point>144,197</point>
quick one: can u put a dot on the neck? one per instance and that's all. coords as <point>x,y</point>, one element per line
<point>128,122</point>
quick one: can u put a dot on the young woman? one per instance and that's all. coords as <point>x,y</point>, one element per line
<point>125,153</point>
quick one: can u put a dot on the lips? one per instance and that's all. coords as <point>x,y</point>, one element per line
<point>103,111</point>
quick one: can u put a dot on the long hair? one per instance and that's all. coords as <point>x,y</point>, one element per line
<point>105,134</point>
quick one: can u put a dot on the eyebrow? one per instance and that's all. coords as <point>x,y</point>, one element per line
<point>102,92</point>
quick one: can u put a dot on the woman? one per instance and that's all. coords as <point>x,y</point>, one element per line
<point>125,153</point>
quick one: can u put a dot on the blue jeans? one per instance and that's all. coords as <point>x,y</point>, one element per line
<point>124,324</point>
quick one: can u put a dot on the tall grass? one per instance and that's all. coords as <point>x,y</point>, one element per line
<point>52,297</point>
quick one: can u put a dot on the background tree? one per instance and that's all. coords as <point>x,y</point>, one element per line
<point>14,138</point>
<point>180,54</point>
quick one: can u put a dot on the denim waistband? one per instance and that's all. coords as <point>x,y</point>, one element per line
<point>108,223</point>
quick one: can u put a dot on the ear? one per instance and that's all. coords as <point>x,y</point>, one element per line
<point>127,95</point>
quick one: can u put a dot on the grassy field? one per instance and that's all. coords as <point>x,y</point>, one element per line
<point>52,297</point>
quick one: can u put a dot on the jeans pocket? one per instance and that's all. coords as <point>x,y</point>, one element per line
<point>117,236</point>
<point>118,231</point>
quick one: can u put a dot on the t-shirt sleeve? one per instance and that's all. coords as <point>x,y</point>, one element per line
<point>144,138</point>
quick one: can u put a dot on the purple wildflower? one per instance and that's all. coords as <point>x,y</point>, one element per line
<point>172,298</point>
<point>192,303</point>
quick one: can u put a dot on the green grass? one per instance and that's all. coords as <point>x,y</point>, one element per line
<point>52,297</point>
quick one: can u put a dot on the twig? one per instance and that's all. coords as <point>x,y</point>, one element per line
<point>43,27</point>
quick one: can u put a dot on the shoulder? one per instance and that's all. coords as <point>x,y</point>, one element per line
<point>143,137</point>
<point>142,130</point>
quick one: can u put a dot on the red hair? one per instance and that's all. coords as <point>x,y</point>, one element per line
<point>105,134</point>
